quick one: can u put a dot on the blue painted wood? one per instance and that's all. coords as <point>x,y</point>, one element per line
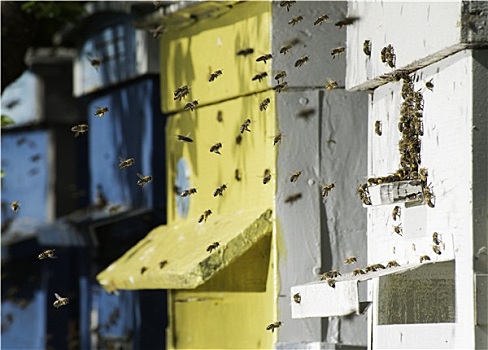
<point>19,99</point>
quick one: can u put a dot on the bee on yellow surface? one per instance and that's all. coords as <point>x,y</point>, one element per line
<point>280,87</point>
<point>184,138</point>
<point>205,215</point>
<point>395,214</point>
<point>288,4</point>
<point>297,298</point>
<point>216,148</point>
<point>350,260</point>
<point>220,190</point>
<point>245,126</point>
<point>181,92</point>
<point>377,128</point>
<point>295,20</point>
<point>245,52</point>
<point>264,58</point>
<point>79,129</point>
<point>264,104</point>
<point>337,51</point>
<point>48,253</point>
<point>294,177</point>
<point>60,301</point>
<point>220,117</point>
<point>358,272</point>
<point>213,246</point>
<point>188,192</point>
<point>280,76</point>
<point>124,163</point>
<point>424,258</point>
<point>100,111</point>
<point>272,326</point>
<point>301,61</point>
<point>163,264</point>
<point>392,263</point>
<point>367,47</point>
<point>191,105</point>
<point>143,269</point>
<point>326,189</point>
<point>237,175</point>
<point>320,20</point>
<point>260,76</point>
<point>267,176</point>
<point>15,206</point>
<point>215,75</point>
<point>143,180</point>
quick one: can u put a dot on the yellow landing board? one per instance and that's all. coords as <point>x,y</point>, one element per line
<point>176,257</point>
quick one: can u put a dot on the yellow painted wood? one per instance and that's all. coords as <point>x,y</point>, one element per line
<point>190,54</point>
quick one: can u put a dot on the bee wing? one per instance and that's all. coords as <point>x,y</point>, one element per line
<point>140,176</point>
<point>58,297</point>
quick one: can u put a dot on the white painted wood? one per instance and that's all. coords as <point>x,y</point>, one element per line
<point>424,336</point>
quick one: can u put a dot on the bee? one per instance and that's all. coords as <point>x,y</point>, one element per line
<point>125,163</point>
<point>350,260</point>
<point>220,190</point>
<point>358,272</point>
<point>264,104</point>
<point>429,197</point>
<point>213,246</point>
<point>288,4</point>
<point>191,105</point>
<point>294,177</point>
<point>245,52</point>
<point>264,58</point>
<point>295,20</point>
<point>143,180</point>
<point>220,117</point>
<point>379,266</point>
<point>215,75</point>
<point>388,56</point>
<point>332,85</point>
<point>297,298</point>
<point>237,175</point>
<point>272,326</point>
<point>363,194</point>
<point>216,148</point>
<point>331,282</point>
<point>163,264</point>
<point>396,213</point>
<point>267,176</point>
<point>100,111</point>
<point>184,138</point>
<point>181,92</point>
<point>113,209</point>
<point>367,47</point>
<point>188,192</point>
<point>293,198</point>
<point>280,87</point>
<point>95,61</point>
<point>205,215</point>
<point>277,138</point>
<point>306,113</point>
<point>320,20</point>
<point>260,76</point>
<point>60,301</point>
<point>157,32</point>
<point>143,269</point>
<point>79,129</point>
<point>436,239</point>
<point>424,258</point>
<point>345,22</point>
<point>15,205</point>
<point>334,273</point>
<point>285,49</point>
<point>238,139</point>
<point>326,189</point>
<point>337,51</point>
<point>430,85</point>
<point>48,253</point>
<point>398,230</point>
<point>392,263</point>
<point>245,126</point>
<point>377,128</point>
<point>301,61</point>
<point>423,173</point>
<point>280,75</point>
<point>436,249</point>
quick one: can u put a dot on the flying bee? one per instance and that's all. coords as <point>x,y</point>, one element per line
<point>264,58</point>
<point>245,126</point>
<point>181,92</point>
<point>238,139</point>
<point>350,260</point>
<point>157,32</point>
<point>301,61</point>
<point>294,177</point>
<point>396,213</point>
<point>367,47</point>
<point>60,301</point>
<point>191,105</point>
<point>264,104</point>
<point>429,197</point>
<point>436,239</point>
<point>331,85</point>
<point>79,129</point>
<point>277,138</point>
<point>143,180</point>
<point>436,249</point>
<point>288,4</point>
<point>297,298</point>
<point>430,85</point>
<point>213,246</point>
<point>272,326</point>
<point>220,117</point>
<point>94,61</point>
<point>320,20</point>
<point>184,138</point>
<point>114,208</point>
<point>392,263</point>
<point>237,175</point>
<point>293,198</point>
<point>163,264</point>
<point>424,258</point>
<point>125,163</point>
<point>205,215</point>
<point>295,20</point>
<point>216,148</point>
<point>358,272</point>
<point>100,111</point>
<point>143,269</point>
<point>377,128</point>
<point>280,87</point>
<point>280,75</point>
<point>345,22</point>
<point>337,51</point>
<point>331,282</point>
<point>188,192</point>
<point>398,230</point>
<point>267,176</point>
<point>215,75</point>
<point>48,253</point>
<point>306,113</point>
<point>245,52</point>
<point>220,190</point>
<point>15,205</point>
<point>326,189</point>
<point>285,49</point>
<point>260,76</point>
